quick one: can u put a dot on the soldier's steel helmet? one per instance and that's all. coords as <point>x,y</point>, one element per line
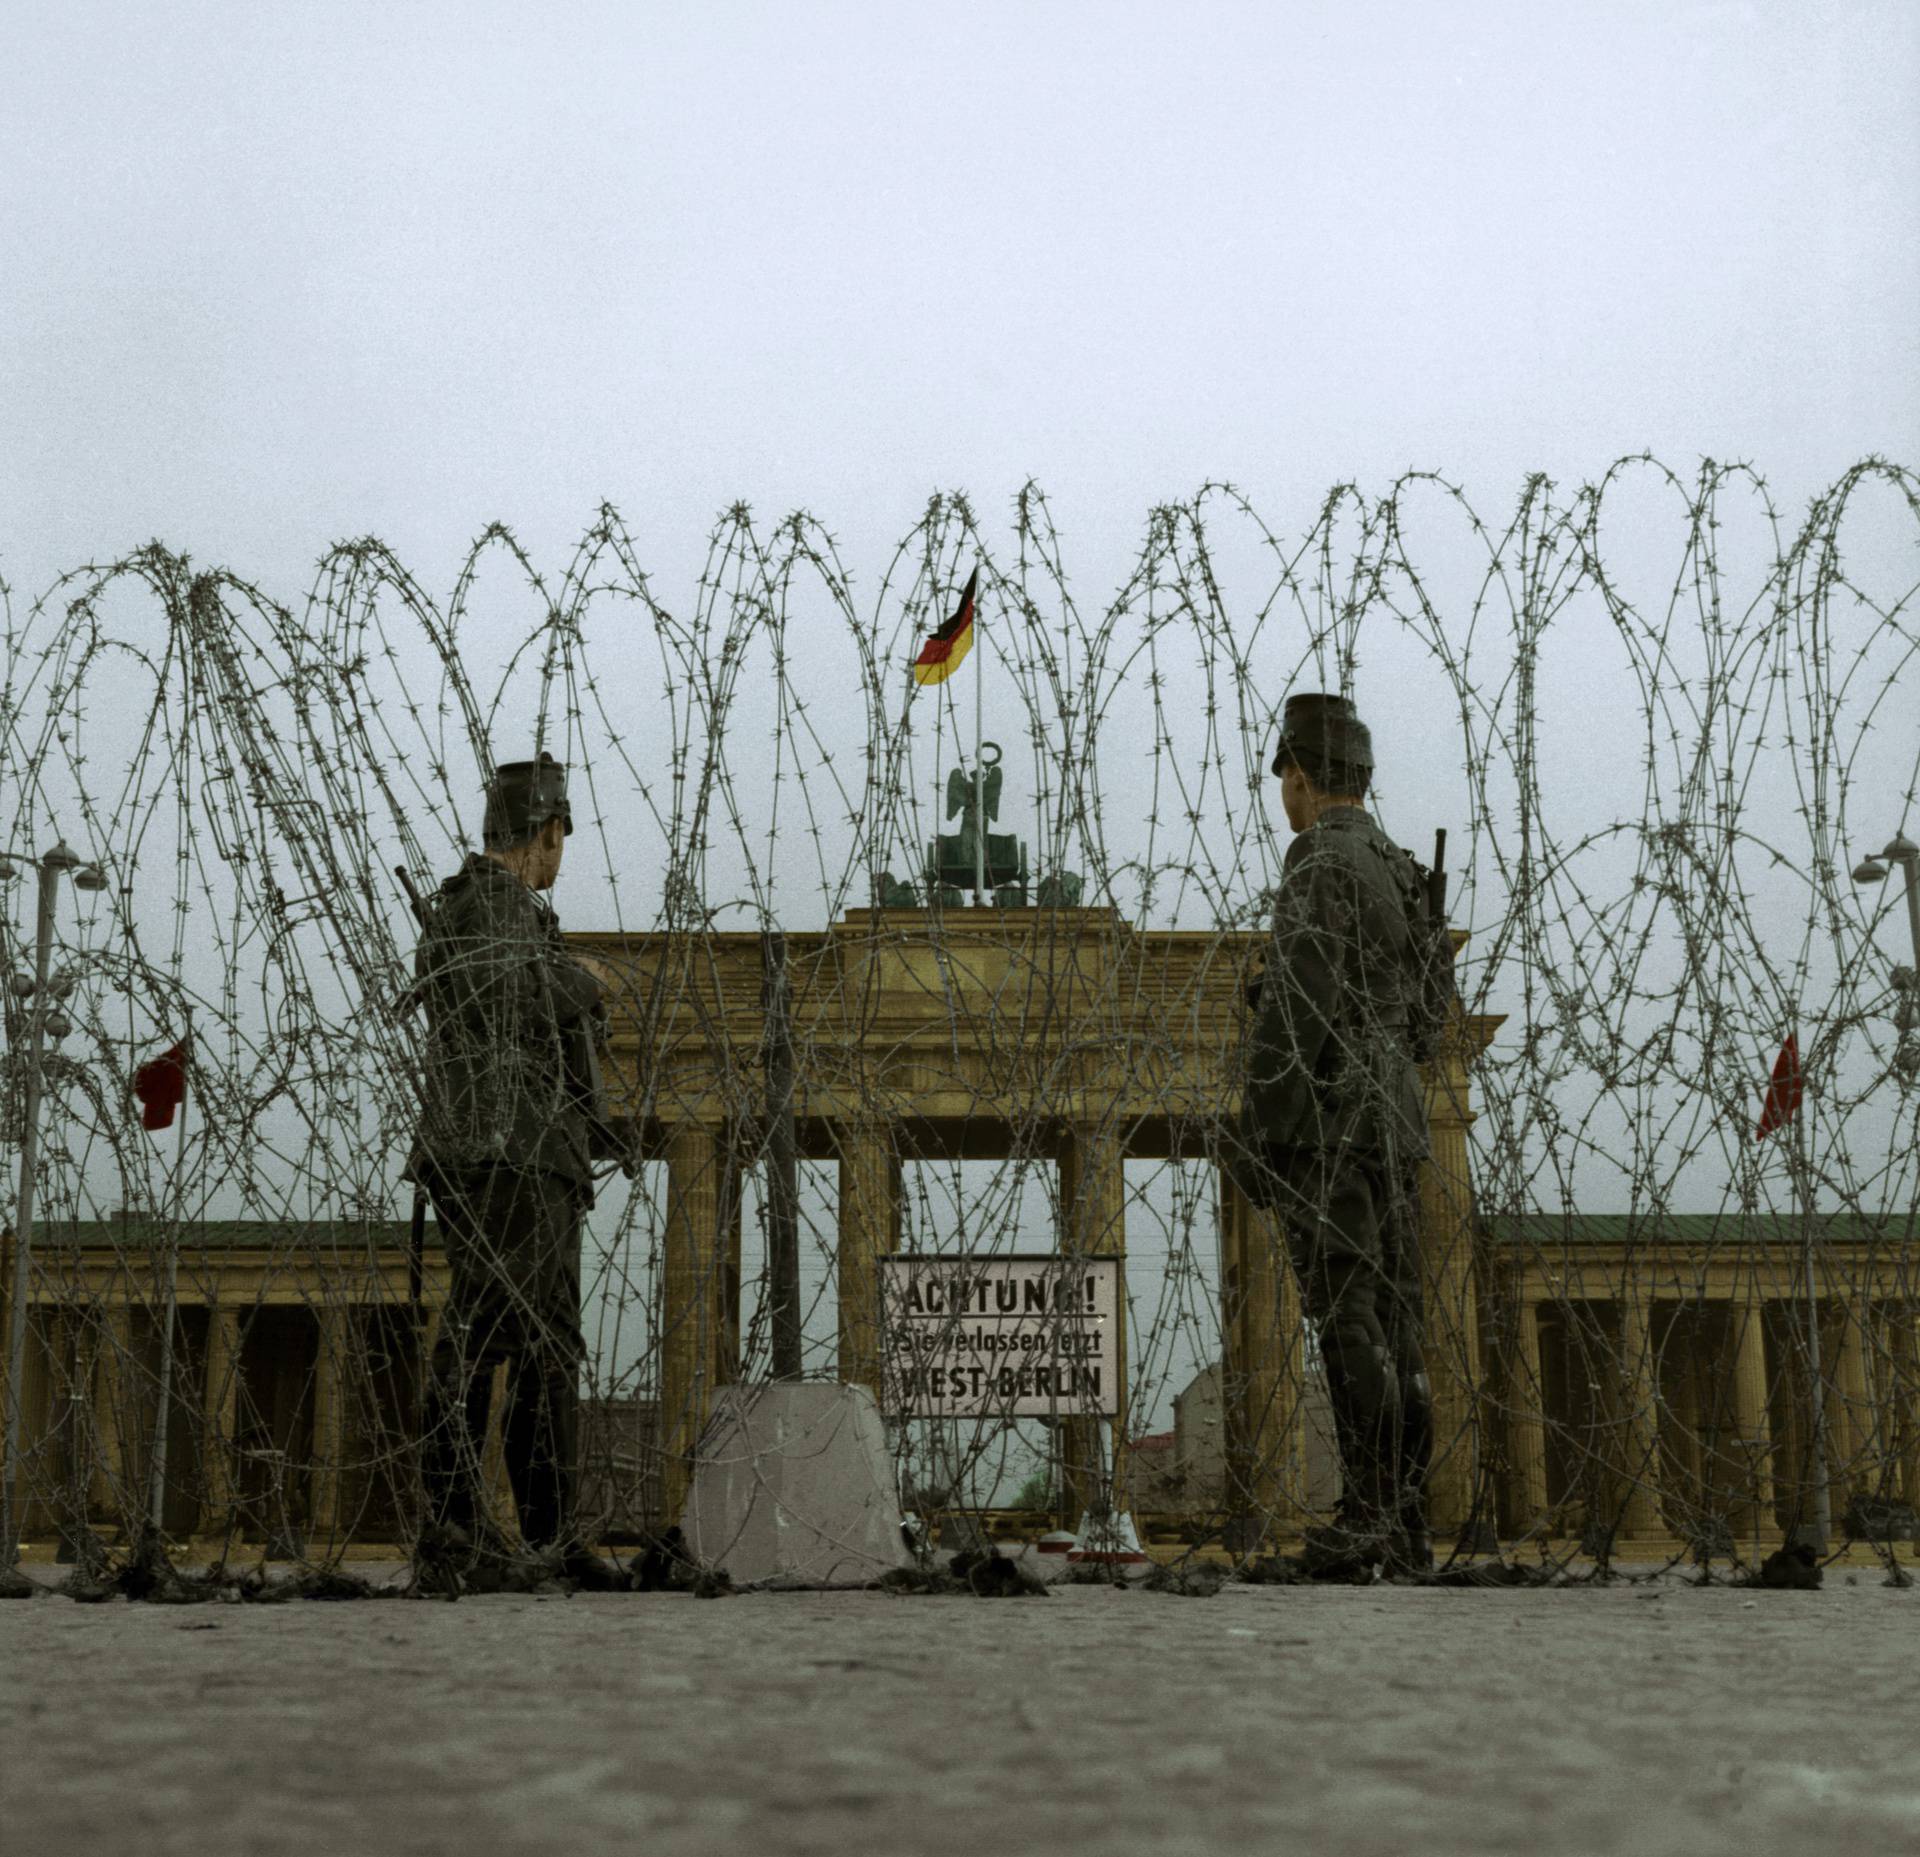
<point>522,796</point>
<point>1318,729</point>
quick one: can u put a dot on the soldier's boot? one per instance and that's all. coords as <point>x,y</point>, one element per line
<point>450,1559</point>
<point>444,1558</point>
<point>580,1566</point>
<point>1366,1422</point>
<point>1410,1546</point>
<point>459,1550</point>
<point>541,1434</point>
<point>1351,1547</point>
<point>455,1540</point>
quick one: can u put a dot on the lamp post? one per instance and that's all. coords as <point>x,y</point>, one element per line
<point>45,1020</point>
<point>1904,852</point>
<point>1901,850</point>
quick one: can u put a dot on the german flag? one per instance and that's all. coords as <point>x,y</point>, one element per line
<point>940,656</point>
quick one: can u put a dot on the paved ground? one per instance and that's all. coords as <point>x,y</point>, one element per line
<point>1631,1719</point>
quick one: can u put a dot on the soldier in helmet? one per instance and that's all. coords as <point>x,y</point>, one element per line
<point>504,1150</point>
<point>1355,994</point>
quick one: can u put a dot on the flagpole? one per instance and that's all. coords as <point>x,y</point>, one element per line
<point>979,769</point>
<point>50,868</point>
<point>1817,1393</point>
<point>157,1471</point>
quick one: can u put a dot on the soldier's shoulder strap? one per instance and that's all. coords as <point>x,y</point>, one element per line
<point>479,905</point>
<point>1403,869</point>
<point>442,909</point>
<point>472,870</point>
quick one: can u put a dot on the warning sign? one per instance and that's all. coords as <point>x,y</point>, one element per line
<point>1015,1337</point>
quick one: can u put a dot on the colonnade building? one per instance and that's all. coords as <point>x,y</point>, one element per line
<point>1652,1380</point>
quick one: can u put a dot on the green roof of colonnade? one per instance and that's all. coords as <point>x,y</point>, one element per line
<point>288,1235</point>
<point>1697,1230</point>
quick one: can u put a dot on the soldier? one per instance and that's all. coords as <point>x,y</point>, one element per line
<point>1355,994</point>
<point>504,1150</point>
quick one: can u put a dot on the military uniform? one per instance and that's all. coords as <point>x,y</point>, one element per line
<point>503,1150</point>
<point>1355,991</point>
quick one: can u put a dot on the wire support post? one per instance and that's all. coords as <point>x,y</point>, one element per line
<point>783,1163</point>
<point>1818,1532</point>
<point>170,1297</point>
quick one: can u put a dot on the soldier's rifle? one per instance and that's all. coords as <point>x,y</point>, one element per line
<point>1439,942</point>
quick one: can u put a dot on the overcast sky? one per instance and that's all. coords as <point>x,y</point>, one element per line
<point>273,276</point>
<point>270,276</point>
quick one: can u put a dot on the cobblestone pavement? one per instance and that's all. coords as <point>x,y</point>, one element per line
<point>1643,1719</point>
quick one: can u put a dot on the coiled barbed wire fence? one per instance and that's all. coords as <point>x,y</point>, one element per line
<point>1661,725</point>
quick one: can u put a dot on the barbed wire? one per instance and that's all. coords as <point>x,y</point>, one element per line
<point>1660,724</point>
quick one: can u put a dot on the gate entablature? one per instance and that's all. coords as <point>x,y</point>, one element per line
<point>957,1016</point>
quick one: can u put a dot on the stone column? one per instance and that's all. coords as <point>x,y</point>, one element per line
<point>1447,1283</point>
<point>220,1420</point>
<point>329,1421</point>
<point>726,1328</point>
<point>1752,1423</point>
<point>45,1434</point>
<point>1237,1494</point>
<point>1526,1423</point>
<point>1884,1397</point>
<point>1903,1323</point>
<point>1903,1349</point>
<point>83,1414</point>
<point>109,1340</point>
<point>1684,1463</point>
<point>690,1303</point>
<point>1093,1189</point>
<point>1855,1467</point>
<point>1262,1369</point>
<point>1639,1415</point>
<point>869,1228</point>
<point>1793,1434</point>
<point>23,1491</point>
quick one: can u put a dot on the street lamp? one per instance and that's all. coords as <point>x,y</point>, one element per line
<point>1904,852</point>
<point>44,1020</point>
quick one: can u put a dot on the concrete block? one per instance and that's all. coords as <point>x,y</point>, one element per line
<point>793,1486</point>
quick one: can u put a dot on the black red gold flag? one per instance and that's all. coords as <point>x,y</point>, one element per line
<point>941,654</point>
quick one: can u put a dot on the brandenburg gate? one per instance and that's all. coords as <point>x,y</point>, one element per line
<point>1061,1034</point>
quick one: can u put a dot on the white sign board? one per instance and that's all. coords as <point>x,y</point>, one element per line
<point>1013,1337</point>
